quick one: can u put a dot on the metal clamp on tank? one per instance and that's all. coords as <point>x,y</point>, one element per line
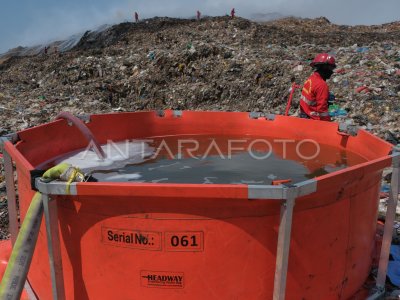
<point>55,187</point>
<point>84,118</point>
<point>12,137</point>
<point>177,113</point>
<point>257,115</point>
<point>395,153</point>
<point>60,180</point>
<point>347,130</point>
<point>160,113</point>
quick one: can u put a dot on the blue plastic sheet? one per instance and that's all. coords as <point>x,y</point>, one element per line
<point>393,271</point>
<point>395,252</point>
<point>362,49</point>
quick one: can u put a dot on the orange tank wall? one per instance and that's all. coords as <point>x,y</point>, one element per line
<point>234,257</point>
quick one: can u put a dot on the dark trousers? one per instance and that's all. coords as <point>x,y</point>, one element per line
<point>303,115</point>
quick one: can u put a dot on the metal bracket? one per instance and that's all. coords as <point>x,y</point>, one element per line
<point>35,174</point>
<point>306,187</point>
<point>85,118</point>
<point>396,157</point>
<point>3,140</point>
<point>348,129</point>
<point>12,137</point>
<point>55,187</point>
<point>265,192</point>
<point>160,113</point>
<point>256,115</point>
<point>177,113</point>
<point>269,192</point>
<point>270,117</point>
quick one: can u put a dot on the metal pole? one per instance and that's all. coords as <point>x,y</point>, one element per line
<point>282,253</point>
<point>11,197</point>
<point>53,245</point>
<point>388,229</point>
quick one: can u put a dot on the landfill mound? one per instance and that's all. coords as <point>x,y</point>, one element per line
<point>217,63</point>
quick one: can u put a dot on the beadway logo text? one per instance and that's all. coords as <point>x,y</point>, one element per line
<point>160,279</point>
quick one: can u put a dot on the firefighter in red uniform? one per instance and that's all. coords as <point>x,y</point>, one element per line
<point>315,93</point>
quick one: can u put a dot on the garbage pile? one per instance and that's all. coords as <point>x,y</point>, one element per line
<point>212,64</point>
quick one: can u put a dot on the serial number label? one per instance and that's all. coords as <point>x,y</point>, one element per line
<point>184,241</point>
<point>136,239</point>
<point>159,279</point>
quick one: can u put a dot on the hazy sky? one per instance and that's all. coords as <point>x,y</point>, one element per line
<point>29,22</point>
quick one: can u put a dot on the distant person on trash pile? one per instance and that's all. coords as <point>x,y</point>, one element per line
<point>233,13</point>
<point>315,94</point>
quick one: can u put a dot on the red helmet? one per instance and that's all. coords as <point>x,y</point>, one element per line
<point>323,59</point>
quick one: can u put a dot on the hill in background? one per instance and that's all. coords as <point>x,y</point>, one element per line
<point>217,63</point>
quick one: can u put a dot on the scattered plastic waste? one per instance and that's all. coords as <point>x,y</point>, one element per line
<point>385,188</point>
<point>332,97</point>
<point>362,89</point>
<point>151,55</point>
<point>336,111</point>
<point>362,49</point>
<point>393,295</point>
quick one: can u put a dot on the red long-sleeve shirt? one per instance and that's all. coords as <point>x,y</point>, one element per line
<point>314,98</point>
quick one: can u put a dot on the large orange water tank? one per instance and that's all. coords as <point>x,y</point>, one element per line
<point>194,241</point>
